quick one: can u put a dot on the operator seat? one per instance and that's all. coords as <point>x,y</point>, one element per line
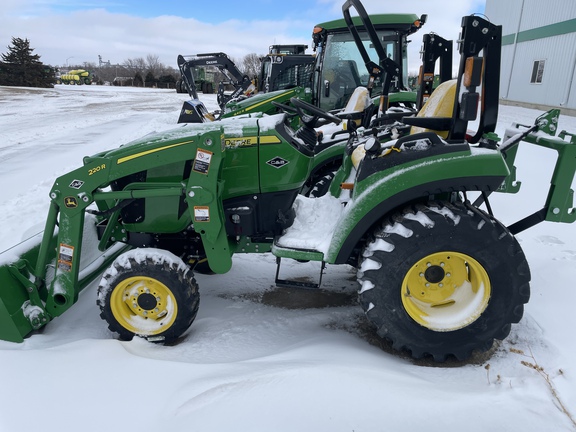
<point>438,111</point>
<point>358,107</point>
<point>436,114</point>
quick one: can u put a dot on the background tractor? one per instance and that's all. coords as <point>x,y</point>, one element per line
<point>203,82</point>
<point>339,67</point>
<point>77,76</point>
<point>285,67</point>
<point>438,275</point>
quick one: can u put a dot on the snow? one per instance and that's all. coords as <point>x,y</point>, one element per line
<point>158,256</point>
<point>250,364</point>
<point>468,306</point>
<point>322,213</point>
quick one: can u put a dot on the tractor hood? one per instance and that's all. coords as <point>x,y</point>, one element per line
<point>185,134</point>
<point>262,102</point>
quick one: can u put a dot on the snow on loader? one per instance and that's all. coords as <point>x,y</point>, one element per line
<point>438,275</point>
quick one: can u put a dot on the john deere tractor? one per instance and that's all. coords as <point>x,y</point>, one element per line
<point>367,51</point>
<point>438,275</point>
<point>338,69</point>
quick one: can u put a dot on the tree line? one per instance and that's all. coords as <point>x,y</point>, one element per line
<point>21,67</point>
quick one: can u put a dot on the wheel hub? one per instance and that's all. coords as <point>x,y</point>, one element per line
<point>446,291</point>
<point>434,274</point>
<point>143,305</point>
<point>147,301</point>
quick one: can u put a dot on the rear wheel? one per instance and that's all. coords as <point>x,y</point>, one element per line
<point>443,280</point>
<point>322,186</point>
<point>148,293</point>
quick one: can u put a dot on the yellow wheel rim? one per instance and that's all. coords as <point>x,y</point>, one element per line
<point>143,305</point>
<point>446,291</point>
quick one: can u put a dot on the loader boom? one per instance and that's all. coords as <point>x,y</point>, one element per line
<point>241,82</point>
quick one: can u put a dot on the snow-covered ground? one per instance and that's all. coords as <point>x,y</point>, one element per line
<point>252,361</point>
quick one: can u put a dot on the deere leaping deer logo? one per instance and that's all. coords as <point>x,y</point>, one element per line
<point>70,202</point>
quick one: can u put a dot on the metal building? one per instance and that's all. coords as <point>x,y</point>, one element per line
<point>538,52</point>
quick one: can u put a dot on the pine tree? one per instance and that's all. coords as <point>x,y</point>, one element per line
<point>20,67</point>
<point>150,80</point>
<point>138,80</point>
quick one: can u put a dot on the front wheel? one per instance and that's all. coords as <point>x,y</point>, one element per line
<point>443,279</point>
<point>149,293</point>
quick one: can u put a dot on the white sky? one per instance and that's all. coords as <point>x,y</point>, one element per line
<point>62,31</point>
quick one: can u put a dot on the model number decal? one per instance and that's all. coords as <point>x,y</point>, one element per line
<point>96,169</point>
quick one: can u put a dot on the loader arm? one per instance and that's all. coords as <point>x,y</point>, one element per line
<point>42,278</point>
<point>240,81</point>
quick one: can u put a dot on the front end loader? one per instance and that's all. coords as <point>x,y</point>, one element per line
<point>438,275</point>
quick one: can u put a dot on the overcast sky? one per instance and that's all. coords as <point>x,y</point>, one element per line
<point>62,31</point>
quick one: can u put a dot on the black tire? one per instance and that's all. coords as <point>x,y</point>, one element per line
<point>322,185</point>
<point>149,294</point>
<point>443,279</point>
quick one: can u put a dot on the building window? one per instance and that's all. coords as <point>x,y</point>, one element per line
<point>537,72</point>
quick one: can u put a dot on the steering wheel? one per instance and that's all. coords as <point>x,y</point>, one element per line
<point>316,112</point>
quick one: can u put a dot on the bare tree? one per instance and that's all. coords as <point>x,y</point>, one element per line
<point>137,64</point>
<point>153,65</point>
<point>125,73</point>
<point>250,65</point>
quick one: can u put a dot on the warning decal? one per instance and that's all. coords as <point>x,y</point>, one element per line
<point>201,214</point>
<point>202,161</point>
<point>65,257</point>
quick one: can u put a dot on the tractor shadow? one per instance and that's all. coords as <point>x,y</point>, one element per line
<point>298,298</point>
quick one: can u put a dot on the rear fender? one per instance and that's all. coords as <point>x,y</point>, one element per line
<point>384,192</point>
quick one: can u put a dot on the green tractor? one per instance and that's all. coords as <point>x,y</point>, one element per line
<point>285,67</point>
<point>349,52</point>
<point>77,77</point>
<point>339,68</point>
<point>437,275</point>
